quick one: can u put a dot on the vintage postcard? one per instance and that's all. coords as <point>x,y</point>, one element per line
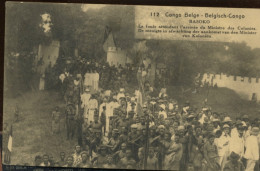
<point>131,87</point>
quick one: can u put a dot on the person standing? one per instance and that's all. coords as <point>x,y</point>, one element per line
<point>76,94</point>
<point>62,161</point>
<point>55,126</point>
<point>103,120</point>
<point>223,146</point>
<point>152,161</point>
<point>252,149</point>
<point>174,155</point>
<point>62,79</point>
<point>77,156</point>
<point>45,160</point>
<point>42,82</point>
<point>70,121</point>
<point>211,155</point>
<point>93,106</point>
<point>7,143</point>
<point>95,81</point>
<point>237,143</point>
<point>85,163</point>
<point>85,102</point>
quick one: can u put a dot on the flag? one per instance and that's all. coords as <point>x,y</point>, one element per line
<point>139,106</point>
<point>10,140</point>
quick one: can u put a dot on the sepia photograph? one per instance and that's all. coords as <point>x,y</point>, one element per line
<point>131,87</point>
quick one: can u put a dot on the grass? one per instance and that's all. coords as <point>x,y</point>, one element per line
<point>32,134</point>
<point>219,99</point>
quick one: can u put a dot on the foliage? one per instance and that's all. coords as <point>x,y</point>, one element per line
<point>85,31</point>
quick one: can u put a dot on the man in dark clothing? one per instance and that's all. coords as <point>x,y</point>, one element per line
<point>234,164</point>
<point>70,121</point>
<point>103,120</point>
<point>62,161</point>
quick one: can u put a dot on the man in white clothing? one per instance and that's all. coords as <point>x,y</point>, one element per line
<point>85,102</point>
<point>93,106</point>
<point>237,143</point>
<point>234,131</point>
<point>223,146</point>
<point>252,149</point>
<point>95,81</point>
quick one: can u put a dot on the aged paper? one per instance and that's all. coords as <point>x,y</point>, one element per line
<point>131,87</point>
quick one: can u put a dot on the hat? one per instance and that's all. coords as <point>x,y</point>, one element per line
<point>121,89</point>
<point>226,126</point>
<point>215,120</point>
<point>244,124</point>
<point>134,126</point>
<point>162,106</point>
<point>87,90</point>
<point>234,155</point>
<point>181,127</point>
<point>132,99</point>
<point>161,127</point>
<point>227,119</point>
<point>191,116</point>
<point>255,130</point>
<point>204,109</point>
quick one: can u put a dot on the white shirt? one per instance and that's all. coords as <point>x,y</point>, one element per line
<point>93,104</point>
<point>76,82</point>
<point>96,76</point>
<point>237,144</point>
<point>171,107</point>
<point>252,148</point>
<point>107,92</point>
<point>85,99</point>
<point>234,133</point>
<point>223,144</point>
<point>110,108</point>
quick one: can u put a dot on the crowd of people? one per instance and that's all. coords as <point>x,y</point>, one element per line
<point>116,127</point>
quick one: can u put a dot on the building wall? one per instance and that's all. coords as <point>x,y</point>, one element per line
<point>49,54</point>
<point>116,56</point>
<point>244,86</point>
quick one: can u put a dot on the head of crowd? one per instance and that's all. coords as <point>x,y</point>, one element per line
<point>143,129</point>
